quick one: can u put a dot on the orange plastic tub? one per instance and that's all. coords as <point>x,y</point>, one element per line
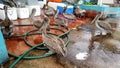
<point>55,0</point>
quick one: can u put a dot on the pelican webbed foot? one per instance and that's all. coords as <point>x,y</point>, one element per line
<point>49,52</point>
<point>1,66</point>
<point>91,46</point>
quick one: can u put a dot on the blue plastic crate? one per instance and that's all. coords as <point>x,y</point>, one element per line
<point>3,50</point>
<point>68,10</point>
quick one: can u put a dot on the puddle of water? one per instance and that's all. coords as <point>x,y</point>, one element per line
<point>82,56</point>
<point>98,58</point>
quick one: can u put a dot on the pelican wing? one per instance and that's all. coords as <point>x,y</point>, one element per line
<point>69,16</point>
<point>49,11</point>
<point>60,21</point>
<point>71,1</point>
<point>64,49</point>
<point>54,44</point>
<point>104,25</point>
<point>61,45</point>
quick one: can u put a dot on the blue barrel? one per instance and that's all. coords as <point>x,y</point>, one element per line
<point>3,50</point>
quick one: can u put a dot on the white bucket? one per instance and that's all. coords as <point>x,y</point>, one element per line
<point>53,4</point>
<point>37,7</point>
<point>41,4</point>
<point>12,14</point>
<point>23,13</point>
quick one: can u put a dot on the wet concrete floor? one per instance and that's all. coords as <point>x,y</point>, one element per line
<point>99,57</point>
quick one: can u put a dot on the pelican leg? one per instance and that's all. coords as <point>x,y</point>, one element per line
<point>100,32</point>
<point>92,33</point>
<point>1,66</point>
<point>75,66</point>
<point>91,46</point>
<point>49,52</point>
<point>59,26</point>
<point>48,28</point>
<point>78,16</point>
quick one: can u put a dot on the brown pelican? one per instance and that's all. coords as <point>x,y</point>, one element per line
<point>72,2</point>
<point>58,20</point>
<point>48,11</point>
<point>36,23</point>
<point>79,12</point>
<point>68,16</point>
<point>10,2</point>
<point>7,25</point>
<point>103,26</point>
<point>52,42</point>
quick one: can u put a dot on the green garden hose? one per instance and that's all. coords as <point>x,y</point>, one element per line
<point>25,37</point>
<point>23,24</point>
<point>22,35</point>
<point>38,46</point>
<point>20,57</point>
<point>33,57</point>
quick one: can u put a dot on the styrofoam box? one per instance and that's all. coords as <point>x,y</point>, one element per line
<point>12,14</point>
<point>1,5</point>
<point>32,2</point>
<point>41,3</point>
<point>53,4</point>
<point>23,13</point>
<point>37,7</point>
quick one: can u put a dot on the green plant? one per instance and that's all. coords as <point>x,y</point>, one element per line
<point>90,3</point>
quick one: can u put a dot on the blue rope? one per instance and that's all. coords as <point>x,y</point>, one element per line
<point>3,50</point>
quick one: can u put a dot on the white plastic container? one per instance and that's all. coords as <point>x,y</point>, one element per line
<point>37,7</point>
<point>41,3</point>
<point>23,13</point>
<point>32,2</point>
<point>53,4</point>
<point>12,14</point>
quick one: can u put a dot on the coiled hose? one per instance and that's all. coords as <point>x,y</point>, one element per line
<point>38,46</point>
